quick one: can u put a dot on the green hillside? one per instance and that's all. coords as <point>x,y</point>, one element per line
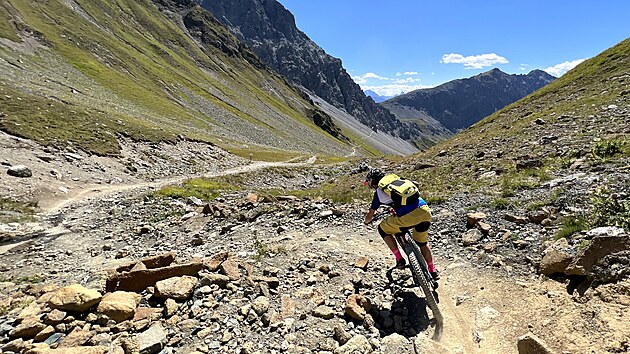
<point>87,73</point>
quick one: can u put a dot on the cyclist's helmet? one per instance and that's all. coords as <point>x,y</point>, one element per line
<point>373,177</point>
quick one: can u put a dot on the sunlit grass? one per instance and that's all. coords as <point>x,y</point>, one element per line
<point>15,211</point>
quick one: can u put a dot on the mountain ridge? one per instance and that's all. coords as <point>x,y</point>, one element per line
<point>460,103</point>
<point>572,125</point>
<point>270,30</point>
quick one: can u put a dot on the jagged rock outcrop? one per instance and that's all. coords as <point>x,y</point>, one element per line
<point>270,30</point>
<point>209,31</point>
<point>459,104</point>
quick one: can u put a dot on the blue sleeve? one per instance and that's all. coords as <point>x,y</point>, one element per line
<point>375,202</point>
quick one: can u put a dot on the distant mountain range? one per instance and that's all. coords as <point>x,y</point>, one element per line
<point>378,98</point>
<point>414,120</point>
<point>460,103</point>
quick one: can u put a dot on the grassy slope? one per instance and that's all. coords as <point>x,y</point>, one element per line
<point>145,59</point>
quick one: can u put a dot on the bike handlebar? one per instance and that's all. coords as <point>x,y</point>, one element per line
<point>382,215</point>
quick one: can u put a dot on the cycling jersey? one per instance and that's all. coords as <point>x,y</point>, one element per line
<point>381,198</point>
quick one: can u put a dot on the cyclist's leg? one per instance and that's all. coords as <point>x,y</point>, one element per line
<point>386,229</point>
<point>421,236</point>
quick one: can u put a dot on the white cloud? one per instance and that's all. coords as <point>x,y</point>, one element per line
<point>560,69</point>
<point>406,80</point>
<point>384,86</point>
<point>393,89</point>
<point>474,61</point>
<point>374,76</point>
<point>407,73</point>
<point>363,79</point>
<point>359,79</point>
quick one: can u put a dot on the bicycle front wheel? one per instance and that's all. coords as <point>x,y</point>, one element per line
<point>421,280</point>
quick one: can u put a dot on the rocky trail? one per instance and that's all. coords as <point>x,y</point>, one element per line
<point>263,274</point>
<point>271,274</point>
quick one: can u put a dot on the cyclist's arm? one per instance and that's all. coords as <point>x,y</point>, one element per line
<point>373,207</point>
<point>369,216</point>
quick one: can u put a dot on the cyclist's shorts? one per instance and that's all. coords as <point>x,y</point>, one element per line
<point>393,224</point>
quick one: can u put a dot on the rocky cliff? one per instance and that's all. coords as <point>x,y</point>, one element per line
<point>270,30</point>
<point>460,103</point>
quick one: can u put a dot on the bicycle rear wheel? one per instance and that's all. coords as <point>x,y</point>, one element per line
<point>419,272</point>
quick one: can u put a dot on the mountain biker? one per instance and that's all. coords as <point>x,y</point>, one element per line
<point>411,212</point>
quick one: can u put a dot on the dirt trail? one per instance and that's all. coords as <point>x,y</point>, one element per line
<point>486,311</point>
<point>459,322</point>
<point>52,203</point>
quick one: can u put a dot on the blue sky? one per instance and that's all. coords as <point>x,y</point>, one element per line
<point>402,45</point>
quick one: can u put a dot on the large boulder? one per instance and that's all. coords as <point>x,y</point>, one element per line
<point>74,298</point>
<point>19,171</point>
<point>140,279</point>
<point>177,288</point>
<point>27,329</point>
<point>607,241</point>
<point>556,258</point>
<point>555,261</point>
<point>119,305</point>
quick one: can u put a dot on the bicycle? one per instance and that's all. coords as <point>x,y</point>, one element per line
<point>419,272</point>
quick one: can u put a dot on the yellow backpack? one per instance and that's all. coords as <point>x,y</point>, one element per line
<point>402,191</point>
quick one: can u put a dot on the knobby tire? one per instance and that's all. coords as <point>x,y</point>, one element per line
<point>415,257</point>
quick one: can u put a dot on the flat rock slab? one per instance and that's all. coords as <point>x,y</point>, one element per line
<point>159,261</point>
<point>598,248</point>
<point>139,280</point>
<point>75,350</point>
